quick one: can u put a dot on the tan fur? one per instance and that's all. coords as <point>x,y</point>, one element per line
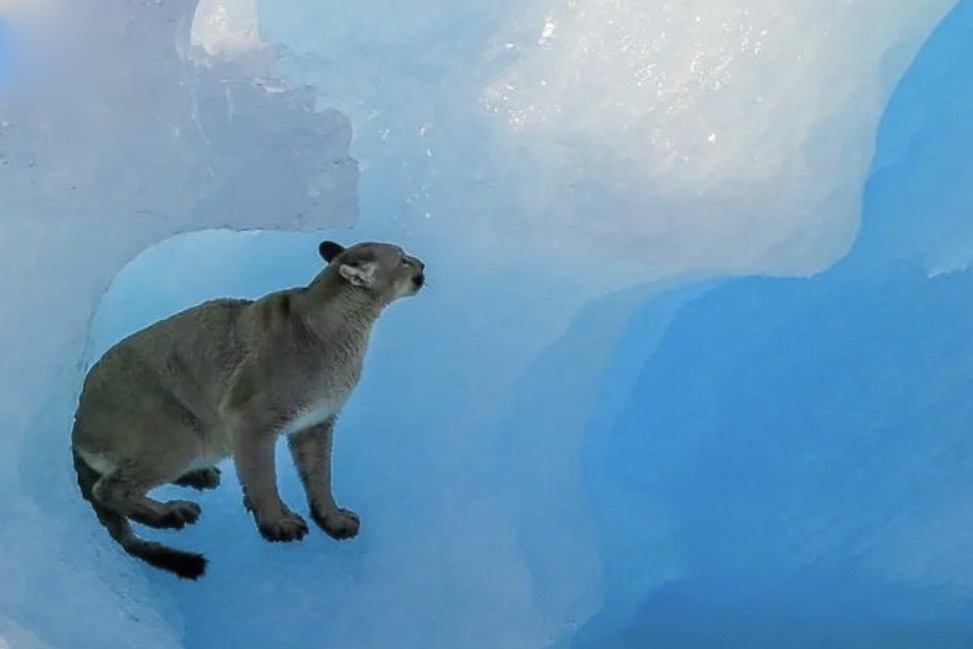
<point>226,378</point>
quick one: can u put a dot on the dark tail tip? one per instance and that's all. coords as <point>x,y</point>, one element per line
<point>187,565</point>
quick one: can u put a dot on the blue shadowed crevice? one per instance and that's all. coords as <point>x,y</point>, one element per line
<point>809,442</point>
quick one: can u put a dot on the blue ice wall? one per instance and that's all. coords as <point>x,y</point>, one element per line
<point>800,451</point>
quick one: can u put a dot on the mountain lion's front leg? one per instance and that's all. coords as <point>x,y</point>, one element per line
<point>311,450</point>
<point>254,460</point>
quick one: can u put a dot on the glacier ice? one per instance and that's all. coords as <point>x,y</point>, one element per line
<point>647,133</point>
<point>589,171</point>
<point>799,448</point>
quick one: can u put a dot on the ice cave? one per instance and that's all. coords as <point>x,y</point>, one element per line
<point>692,370</point>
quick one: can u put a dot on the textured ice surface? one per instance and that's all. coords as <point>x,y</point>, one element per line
<point>542,158</point>
<point>799,450</point>
<point>659,136</point>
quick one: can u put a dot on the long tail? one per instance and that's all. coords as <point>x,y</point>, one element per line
<point>187,565</point>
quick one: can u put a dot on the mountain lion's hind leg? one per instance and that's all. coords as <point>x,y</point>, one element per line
<point>123,492</point>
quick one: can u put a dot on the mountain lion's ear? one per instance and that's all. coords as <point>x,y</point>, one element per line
<point>361,274</point>
<point>329,250</point>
